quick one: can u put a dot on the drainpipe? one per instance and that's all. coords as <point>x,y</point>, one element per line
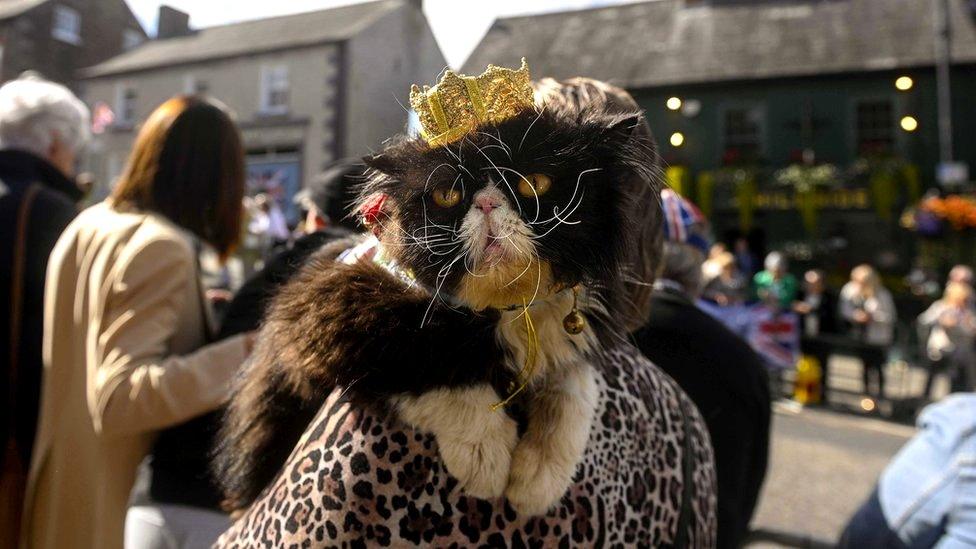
<point>943,40</point>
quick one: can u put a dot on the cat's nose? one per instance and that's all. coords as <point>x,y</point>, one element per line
<point>486,203</point>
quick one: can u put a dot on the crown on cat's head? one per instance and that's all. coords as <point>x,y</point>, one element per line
<point>458,103</point>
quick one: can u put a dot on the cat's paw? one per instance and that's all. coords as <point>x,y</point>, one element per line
<point>537,481</point>
<point>481,463</point>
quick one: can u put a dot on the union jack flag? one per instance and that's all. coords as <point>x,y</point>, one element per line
<point>683,221</point>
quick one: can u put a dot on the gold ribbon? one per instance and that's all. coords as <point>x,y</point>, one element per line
<point>531,358</point>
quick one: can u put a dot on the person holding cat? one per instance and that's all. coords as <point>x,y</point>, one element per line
<point>465,364</point>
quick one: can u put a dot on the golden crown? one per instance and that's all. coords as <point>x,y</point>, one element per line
<point>458,104</point>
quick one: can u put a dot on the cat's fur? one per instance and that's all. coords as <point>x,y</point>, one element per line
<point>440,361</point>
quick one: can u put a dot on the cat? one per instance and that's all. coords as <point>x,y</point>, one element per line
<point>485,246</point>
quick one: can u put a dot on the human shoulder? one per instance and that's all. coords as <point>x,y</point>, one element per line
<point>142,244</point>
<point>952,420</point>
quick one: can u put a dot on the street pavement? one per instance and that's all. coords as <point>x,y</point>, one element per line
<point>823,465</point>
<point>824,462</point>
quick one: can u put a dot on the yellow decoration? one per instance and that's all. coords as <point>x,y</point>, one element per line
<point>706,182</point>
<point>806,387</point>
<point>531,357</point>
<point>912,183</point>
<point>458,104</point>
<point>675,177</point>
<point>745,194</point>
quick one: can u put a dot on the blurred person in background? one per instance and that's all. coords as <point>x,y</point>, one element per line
<point>924,497</point>
<point>744,257</point>
<point>951,326</point>
<point>326,201</point>
<point>126,332</point>
<point>711,268</point>
<point>962,274</point>
<point>774,285</point>
<point>818,315</point>
<point>867,308</point>
<point>178,470</point>
<point>719,371</point>
<point>730,287</point>
<point>43,128</point>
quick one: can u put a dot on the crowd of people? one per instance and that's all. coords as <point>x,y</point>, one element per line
<point>119,368</point>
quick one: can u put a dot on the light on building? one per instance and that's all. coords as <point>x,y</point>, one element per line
<point>674,103</point>
<point>677,139</point>
<point>904,83</point>
<point>909,124</point>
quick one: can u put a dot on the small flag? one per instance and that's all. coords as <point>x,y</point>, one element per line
<point>102,117</point>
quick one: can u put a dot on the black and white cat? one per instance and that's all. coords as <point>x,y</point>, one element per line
<point>480,249</point>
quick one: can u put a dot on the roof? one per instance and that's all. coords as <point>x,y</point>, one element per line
<point>13,8</point>
<point>249,37</point>
<point>668,42</point>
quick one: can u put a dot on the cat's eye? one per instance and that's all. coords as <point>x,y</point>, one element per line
<point>447,197</point>
<point>535,184</point>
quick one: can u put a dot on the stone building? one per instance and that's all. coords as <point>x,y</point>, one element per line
<point>58,37</point>
<point>307,88</point>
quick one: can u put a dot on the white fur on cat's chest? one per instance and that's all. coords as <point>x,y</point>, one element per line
<point>480,446</point>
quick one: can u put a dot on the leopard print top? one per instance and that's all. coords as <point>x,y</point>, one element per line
<point>357,480</point>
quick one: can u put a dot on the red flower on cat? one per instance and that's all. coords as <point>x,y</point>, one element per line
<point>371,210</point>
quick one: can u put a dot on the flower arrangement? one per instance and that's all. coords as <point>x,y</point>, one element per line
<point>946,226</point>
<point>957,210</point>
<point>805,179</point>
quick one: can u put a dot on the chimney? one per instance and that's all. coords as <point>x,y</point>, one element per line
<point>172,23</point>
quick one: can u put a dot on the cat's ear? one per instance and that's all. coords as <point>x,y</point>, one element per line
<point>386,162</point>
<point>623,127</point>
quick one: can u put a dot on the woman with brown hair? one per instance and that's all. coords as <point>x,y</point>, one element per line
<point>126,324</point>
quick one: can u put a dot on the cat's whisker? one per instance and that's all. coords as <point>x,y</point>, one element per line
<point>569,203</point>
<point>527,130</point>
<point>535,294</point>
<point>528,265</point>
<point>538,207</point>
<point>501,144</point>
<point>442,278</point>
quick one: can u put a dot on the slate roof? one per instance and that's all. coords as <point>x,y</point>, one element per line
<point>13,8</point>
<point>668,42</point>
<point>303,29</point>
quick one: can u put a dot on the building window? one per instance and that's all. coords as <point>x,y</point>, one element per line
<point>742,133</point>
<point>274,89</point>
<point>130,39</point>
<point>66,25</point>
<point>125,106</point>
<point>875,128</point>
<point>194,85</point>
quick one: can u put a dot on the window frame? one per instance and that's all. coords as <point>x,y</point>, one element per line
<point>126,96</point>
<point>128,43</point>
<point>855,126</point>
<point>192,85</point>
<point>759,109</point>
<point>275,79</point>
<point>66,24</point>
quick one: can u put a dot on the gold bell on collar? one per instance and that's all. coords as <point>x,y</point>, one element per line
<point>575,322</point>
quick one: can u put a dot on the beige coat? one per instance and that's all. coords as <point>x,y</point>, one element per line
<point>124,325</point>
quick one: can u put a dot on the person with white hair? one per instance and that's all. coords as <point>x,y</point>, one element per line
<point>43,127</point>
<point>775,286</point>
